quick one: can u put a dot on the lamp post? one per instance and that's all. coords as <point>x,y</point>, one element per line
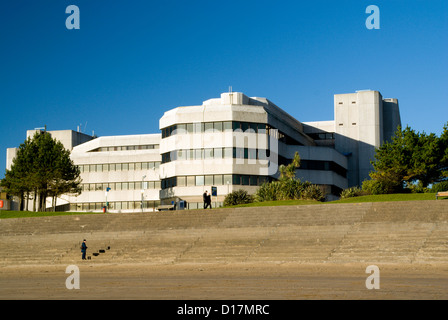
<point>143,190</point>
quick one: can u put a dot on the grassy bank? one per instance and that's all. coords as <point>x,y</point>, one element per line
<point>371,198</point>
<point>375,198</point>
<point>28,214</point>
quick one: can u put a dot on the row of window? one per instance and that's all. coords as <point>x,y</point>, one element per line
<point>316,165</point>
<point>219,126</point>
<point>132,205</point>
<point>322,136</point>
<point>118,166</point>
<point>115,205</point>
<point>118,186</point>
<point>227,126</point>
<point>216,153</point>
<point>126,148</point>
<point>214,180</point>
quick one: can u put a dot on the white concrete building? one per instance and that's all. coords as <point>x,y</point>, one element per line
<point>232,142</point>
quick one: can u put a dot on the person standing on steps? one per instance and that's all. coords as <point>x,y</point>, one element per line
<point>205,199</point>
<point>84,249</point>
<point>209,201</point>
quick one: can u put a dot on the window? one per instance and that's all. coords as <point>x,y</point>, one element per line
<point>181,129</point>
<point>236,179</point>
<point>227,126</point>
<point>124,186</point>
<point>191,181</point>
<point>217,126</point>
<point>218,179</point>
<point>125,166</point>
<point>208,127</point>
<point>261,127</point>
<point>132,166</point>
<point>238,153</point>
<point>92,168</point>
<point>208,153</point>
<point>253,180</point>
<point>198,154</point>
<point>198,127</point>
<point>228,152</point>
<point>245,180</point>
<point>208,180</point>
<point>118,166</point>
<point>236,125</point>
<point>138,166</point>
<point>190,154</point>
<point>181,181</point>
<point>181,155</point>
<point>217,153</point>
<point>253,127</point>
<point>190,128</point>
<point>252,153</point>
<point>199,180</point>
<point>227,179</point>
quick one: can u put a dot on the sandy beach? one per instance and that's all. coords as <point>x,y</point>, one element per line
<point>224,282</point>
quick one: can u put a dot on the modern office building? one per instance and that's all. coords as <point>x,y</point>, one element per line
<point>229,143</point>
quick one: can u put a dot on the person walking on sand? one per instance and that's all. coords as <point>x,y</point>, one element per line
<point>84,249</point>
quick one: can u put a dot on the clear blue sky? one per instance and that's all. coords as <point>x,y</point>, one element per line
<point>132,60</point>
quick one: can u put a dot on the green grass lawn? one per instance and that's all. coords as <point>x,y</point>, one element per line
<point>375,198</point>
<point>371,198</point>
<point>390,197</point>
<point>28,214</point>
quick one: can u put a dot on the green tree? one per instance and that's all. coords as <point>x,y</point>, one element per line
<point>289,171</point>
<point>43,168</point>
<point>410,158</point>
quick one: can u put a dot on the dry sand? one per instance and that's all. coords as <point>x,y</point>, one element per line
<point>225,282</point>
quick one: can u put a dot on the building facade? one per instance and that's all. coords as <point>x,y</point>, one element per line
<point>229,143</point>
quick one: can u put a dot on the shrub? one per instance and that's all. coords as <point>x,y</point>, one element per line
<point>288,189</point>
<point>238,197</point>
<point>268,191</point>
<point>441,186</point>
<point>352,192</point>
<point>312,192</point>
<point>376,187</point>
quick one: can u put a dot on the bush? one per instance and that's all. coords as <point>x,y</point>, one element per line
<point>441,186</point>
<point>376,187</point>
<point>238,197</point>
<point>288,189</point>
<point>268,191</point>
<point>352,192</point>
<point>313,192</point>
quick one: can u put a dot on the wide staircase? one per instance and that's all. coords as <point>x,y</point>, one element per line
<point>383,232</point>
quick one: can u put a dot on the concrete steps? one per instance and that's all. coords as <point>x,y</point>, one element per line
<point>407,232</point>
